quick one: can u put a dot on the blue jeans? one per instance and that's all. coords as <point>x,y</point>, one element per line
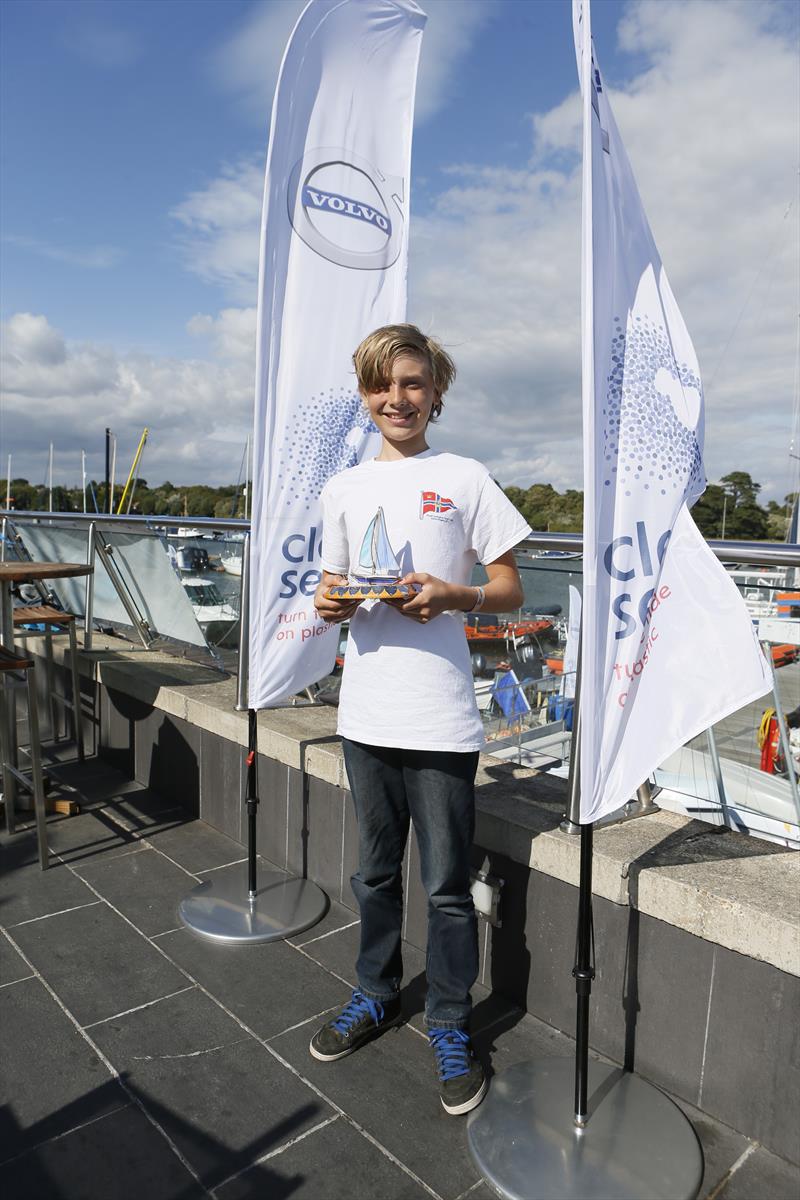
<point>434,789</point>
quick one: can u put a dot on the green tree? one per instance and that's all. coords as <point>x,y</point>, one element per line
<point>708,511</point>
<point>741,488</point>
<point>22,494</point>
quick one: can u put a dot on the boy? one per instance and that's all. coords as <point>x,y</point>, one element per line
<point>409,724</point>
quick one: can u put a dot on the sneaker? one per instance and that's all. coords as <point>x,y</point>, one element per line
<point>359,1021</point>
<point>462,1083</point>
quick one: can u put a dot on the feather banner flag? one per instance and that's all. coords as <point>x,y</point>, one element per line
<point>668,647</point>
<point>334,253</point>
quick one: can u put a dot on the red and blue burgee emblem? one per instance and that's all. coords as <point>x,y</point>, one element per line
<point>432,502</point>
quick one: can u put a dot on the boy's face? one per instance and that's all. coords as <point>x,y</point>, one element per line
<point>402,408</point>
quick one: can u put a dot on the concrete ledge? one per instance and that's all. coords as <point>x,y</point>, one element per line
<point>734,891</point>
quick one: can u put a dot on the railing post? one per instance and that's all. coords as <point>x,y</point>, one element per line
<point>244,629</point>
<point>88,608</point>
<point>713,754</point>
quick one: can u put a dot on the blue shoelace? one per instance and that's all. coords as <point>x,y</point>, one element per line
<point>359,1007</point>
<point>451,1047</point>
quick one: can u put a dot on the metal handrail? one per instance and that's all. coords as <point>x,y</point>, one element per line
<point>767,554</point>
<point>111,521</point>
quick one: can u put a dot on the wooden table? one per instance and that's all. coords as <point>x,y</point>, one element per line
<point>28,572</point>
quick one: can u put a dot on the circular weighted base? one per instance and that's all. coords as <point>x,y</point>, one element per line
<point>220,910</point>
<point>636,1145</point>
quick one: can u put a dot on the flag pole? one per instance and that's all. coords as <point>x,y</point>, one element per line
<point>269,906</point>
<point>559,1128</point>
<point>556,1129</point>
<point>583,973</point>
<point>237,911</point>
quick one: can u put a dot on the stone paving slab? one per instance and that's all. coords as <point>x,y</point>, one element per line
<point>221,1097</point>
<point>337,918</point>
<point>196,846</point>
<point>390,1089</point>
<point>269,987</point>
<point>143,885</point>
<point>327,1164</point>
<point>50,1081</point>
<point>12,965</point>
<point>140,817</point>
<point>760,1175</point>
<point>28,892</point>
<point>96,963</point>
<point>121,1156</point>
<point>88,837</point>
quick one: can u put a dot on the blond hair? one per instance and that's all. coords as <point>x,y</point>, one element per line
<point>376,355</point>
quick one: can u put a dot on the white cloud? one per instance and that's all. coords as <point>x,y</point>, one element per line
<point>232,333</point>
<point>449,36</point>
<point>198,412</point>
<point>219,237</point>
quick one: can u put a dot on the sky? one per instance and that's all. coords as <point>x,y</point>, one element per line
<point>133,136</point>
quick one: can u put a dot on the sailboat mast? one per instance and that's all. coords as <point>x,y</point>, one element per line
<point>376,525</point>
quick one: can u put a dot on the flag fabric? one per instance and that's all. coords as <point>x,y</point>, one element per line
<point>333,265</point>
<point>668,647</point>
<point>511,699</point>
<point>570,665</point>
<point>432,502</point>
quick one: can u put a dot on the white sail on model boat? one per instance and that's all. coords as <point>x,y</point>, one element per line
<point>377,562</point>
<point>378,568</point>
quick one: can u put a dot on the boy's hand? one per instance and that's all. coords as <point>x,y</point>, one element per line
<point>333,611</point>
<point>436,597</point>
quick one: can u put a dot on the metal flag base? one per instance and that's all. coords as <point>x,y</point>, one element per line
<point>223,911</point>
<point>636,1144</point>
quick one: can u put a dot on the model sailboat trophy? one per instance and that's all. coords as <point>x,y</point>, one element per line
<point>378,569</point>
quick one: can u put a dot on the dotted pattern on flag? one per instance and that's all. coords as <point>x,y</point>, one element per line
<point>645,440</point>
<point>327,436</point>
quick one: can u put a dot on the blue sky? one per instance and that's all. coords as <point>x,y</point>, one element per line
<point>133,139</point>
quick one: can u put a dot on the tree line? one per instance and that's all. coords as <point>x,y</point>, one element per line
<point>166,500</point>
<point>727,509</point>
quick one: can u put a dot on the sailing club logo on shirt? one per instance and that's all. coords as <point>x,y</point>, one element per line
<point>346,209</point>
<point>432,502</point>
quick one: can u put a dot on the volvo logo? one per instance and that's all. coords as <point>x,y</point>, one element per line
<point>346,209</point>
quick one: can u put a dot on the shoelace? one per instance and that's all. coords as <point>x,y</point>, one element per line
<point>451,1047</point>
<point>359,1007</point>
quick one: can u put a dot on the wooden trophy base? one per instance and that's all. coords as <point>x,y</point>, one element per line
<point>372,591</point>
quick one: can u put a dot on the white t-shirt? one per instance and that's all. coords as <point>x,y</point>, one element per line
<point>406,684</point>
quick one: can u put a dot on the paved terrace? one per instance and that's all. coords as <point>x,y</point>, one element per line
<point>140,1061</point>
